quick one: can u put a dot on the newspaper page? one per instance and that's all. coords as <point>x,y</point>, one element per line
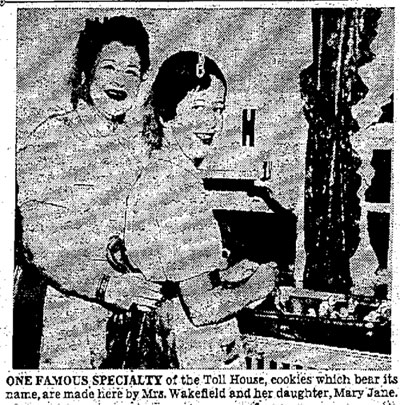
<point>198,203</point>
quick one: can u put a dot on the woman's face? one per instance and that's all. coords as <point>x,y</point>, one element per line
<point>116,79</point>
<point>199,118</point>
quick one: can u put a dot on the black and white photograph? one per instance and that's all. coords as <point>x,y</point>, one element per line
<point>206,188</point>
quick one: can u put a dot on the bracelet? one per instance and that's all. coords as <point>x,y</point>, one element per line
<point>215,278</point>
<point>101,289</point>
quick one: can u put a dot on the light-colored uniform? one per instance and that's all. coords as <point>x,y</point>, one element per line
<point>172,235</point>
<point>74,174</point>
<point>81,180</point>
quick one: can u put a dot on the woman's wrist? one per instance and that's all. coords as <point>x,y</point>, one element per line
<point>125,290</point>
<point>116,290</point>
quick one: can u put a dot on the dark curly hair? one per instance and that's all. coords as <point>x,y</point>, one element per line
<point>127,30</point>
<point>176,77</point>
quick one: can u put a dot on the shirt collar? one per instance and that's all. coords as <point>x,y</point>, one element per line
<point>97,125</point>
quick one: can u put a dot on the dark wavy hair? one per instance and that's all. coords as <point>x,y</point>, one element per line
<point>176,77</point>
<point>127,30</point>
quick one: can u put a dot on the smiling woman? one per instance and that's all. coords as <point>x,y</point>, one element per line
<point>74,175</point>
<point>116,79</point>
<point>174,239</point>
<point>199,115</point>
<point>188,99</point>
<point>110,63</point>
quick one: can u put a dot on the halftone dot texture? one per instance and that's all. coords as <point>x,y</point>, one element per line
<point>261,53</point>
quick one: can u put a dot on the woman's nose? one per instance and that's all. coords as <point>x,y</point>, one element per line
<point>211,118</point>
<point>118,78</point>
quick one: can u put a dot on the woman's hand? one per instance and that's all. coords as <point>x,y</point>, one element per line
<point>262,282</point>
<point>238,272</point>
<point>205,305</point>
<point>130,289</point>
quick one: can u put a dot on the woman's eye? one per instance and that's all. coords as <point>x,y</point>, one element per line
<point>198,107</point>
<point>132,72</point>
<point>109,67</point>
<point>218,110</point>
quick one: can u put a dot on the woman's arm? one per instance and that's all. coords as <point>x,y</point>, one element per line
<point>65,253</point>
<point>65,236</point>
<point>207,303</point>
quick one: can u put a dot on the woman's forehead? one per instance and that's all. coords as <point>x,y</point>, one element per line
<point>115,51</point>
<point>215,92</point>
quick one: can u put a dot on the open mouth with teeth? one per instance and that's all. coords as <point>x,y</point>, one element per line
<point>205,137</point>
<point>118,95</point>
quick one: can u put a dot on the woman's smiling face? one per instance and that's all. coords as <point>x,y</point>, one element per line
<point>199,118</point>
<point>116,79</point>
